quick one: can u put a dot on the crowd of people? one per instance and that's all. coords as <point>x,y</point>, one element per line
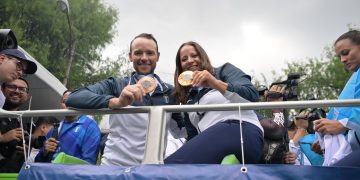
<point>210,136</point>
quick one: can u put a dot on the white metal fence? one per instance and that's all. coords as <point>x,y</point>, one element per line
<point>156,131</point>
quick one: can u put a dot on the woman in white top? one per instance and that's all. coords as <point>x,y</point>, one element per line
<point>218,131</point>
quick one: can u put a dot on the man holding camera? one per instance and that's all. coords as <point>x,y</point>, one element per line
<point>281,138</point>
<point>77,136</point>
<point>42,126</point>
<point>11,149</point>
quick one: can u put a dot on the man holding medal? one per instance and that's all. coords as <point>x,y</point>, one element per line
<point>126,141</point>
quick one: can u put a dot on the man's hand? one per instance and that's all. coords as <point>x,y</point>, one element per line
<point>275,89</point>
<point>128,95</point>
<point>14,134</point>
<point>20,149</point>
<point>301,121</point>
<point>327,126</point>
<point>50,146</point>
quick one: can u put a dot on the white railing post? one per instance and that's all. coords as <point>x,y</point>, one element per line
<point>155,136</point>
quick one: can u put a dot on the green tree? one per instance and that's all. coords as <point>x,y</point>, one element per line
<point>323,78</point>
<point>116,68</point>
<point>42,29</point>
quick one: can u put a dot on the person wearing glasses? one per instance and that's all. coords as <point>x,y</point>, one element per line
<point>13,65</point>
<point>11,149</point>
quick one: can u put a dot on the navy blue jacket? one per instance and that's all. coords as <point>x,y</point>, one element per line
<point>98,95</point>
<point>238,81</point>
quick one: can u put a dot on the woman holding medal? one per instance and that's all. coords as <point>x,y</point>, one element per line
<point>198,82</point>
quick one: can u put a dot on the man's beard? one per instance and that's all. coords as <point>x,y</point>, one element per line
<point>10,105</point>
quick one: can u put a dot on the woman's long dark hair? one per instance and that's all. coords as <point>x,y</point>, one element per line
<point>181,91</point>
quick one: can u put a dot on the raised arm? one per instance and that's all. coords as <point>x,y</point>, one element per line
<point>237,81</point>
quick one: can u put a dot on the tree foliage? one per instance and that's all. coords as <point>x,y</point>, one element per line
<point>42,29</point>
<point>321,78</point>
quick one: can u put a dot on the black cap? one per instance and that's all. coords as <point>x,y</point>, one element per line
<point>31,66</point>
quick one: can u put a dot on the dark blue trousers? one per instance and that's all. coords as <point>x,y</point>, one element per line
<point>219,140</point>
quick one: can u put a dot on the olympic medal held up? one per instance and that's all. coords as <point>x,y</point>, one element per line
<point>148,83</point>
<point>185,78</point>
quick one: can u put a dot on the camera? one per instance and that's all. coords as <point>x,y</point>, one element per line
<point>290,83</point>
<point>7,39</point>
<point>261,89</point>
<point>314,114</point>
<point>36,143</point>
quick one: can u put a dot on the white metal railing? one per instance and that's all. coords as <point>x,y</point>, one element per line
<point>156,131</point>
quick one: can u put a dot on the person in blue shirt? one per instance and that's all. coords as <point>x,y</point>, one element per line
<point>78,136</point>
<point>345,120</point>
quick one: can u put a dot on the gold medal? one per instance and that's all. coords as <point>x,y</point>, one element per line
<point>148,83</point>
<point>185,78</point>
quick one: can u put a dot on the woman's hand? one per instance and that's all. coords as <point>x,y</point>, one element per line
<point>207,80</point>
<point>327,126</point>
<point>203,79</point>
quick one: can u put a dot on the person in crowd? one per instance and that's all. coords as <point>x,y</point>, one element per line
<point>275,128</point>
<point>125,143</point>
<point>296,131</point>
<point>343,121</point>
<point>13,65</point>
<point>218,131</point>
<point>11,146</point>
<point>77,136</point>
<point>42,127</point>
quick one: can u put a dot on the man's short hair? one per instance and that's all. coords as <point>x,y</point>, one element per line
<point>146,36</point>
<point>49,120</point>
<point>27,84</point>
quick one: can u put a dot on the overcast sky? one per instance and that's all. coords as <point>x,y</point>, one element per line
<point>258,36</point>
